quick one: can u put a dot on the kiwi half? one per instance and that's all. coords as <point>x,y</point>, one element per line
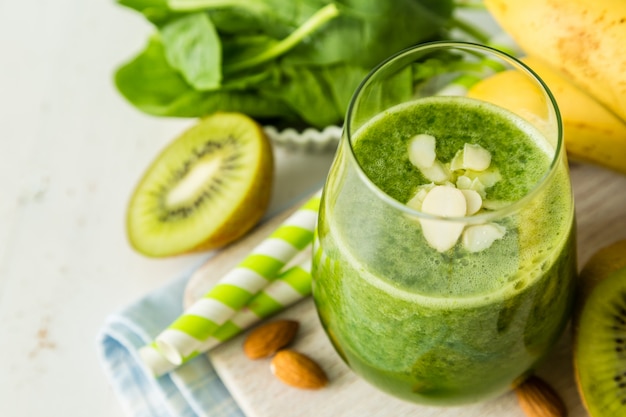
<point>205,190</point>
<point>600,333</point>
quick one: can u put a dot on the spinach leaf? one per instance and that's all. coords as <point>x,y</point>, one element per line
<point>306,91</point>
<point>243,47</point>
<point>149,82</point>
<point>254,104</point>
<point>275,17</point>
<point>236,21</point>
<point>369,31</point>
<point>295,61</point>
<point>394,89</point>
<point>153,86</point>
<point>156,11</point>
<point>277,49</point>
<point>193,47</point>
<point>320,95</point>
<point>141,5</point>
<point>343,80</point>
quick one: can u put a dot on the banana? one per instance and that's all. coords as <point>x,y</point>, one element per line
<point>592,133</point>
<point>582,39</point>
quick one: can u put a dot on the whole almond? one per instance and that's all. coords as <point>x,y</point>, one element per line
<point>268,338</point>
<point>538,399</point>
<point>298,370</point>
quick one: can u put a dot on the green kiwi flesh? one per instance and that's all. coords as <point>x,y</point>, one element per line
<point>205,189</point>
<point>600,347</point>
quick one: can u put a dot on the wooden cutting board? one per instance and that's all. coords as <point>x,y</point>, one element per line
<point>601,218</point>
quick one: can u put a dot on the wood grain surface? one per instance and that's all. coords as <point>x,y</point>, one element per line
<point>600,197</point>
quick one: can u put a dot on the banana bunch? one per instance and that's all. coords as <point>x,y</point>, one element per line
<point>577,48</point>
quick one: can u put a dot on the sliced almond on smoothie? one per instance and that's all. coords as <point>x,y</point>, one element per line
<point>422,151</point>
<point>463,182</point>
<point>416,201</point>
<point>456,163</point>
<point>437,172</point>
<point>475,157</point>
<point>443,201</point>
<point>422,155</point>
<point>479,187</point>
<point>474,201</point>
<point>487,178</point>
<point>480,237</point>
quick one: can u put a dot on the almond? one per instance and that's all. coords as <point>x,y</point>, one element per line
<point>298,370</point>
<point>268,338</point>
<point>538,399</point>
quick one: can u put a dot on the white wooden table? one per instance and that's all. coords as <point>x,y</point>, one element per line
<point>71,150</point>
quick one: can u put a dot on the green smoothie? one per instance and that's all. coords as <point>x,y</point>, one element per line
<point>444,326</point>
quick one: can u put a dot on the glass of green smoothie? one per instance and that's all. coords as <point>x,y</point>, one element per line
<point>444,257</point>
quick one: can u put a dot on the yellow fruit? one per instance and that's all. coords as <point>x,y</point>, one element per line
<point>513,91</point>
<point>206,189</point>
<point>581,39</point>
<point>591,132</point>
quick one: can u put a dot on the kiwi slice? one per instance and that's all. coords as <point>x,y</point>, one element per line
<point>600,333</point>
<point>206,189</point>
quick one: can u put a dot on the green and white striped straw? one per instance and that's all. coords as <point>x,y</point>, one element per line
<point>290,286</point>
<point>201,320</point>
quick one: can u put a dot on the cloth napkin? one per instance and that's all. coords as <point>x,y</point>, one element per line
<point>192,390</point>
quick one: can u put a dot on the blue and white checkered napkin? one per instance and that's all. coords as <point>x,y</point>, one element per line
<point>192,390</point>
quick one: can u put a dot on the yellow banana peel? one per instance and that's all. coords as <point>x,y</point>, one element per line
<point>583,40</point>
<point>592,133</point>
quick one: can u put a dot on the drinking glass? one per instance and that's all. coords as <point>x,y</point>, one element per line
<point>428,292</point>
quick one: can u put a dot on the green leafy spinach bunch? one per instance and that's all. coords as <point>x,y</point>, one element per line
<point>287,62</point>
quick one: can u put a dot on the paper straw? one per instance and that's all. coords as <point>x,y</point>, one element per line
<point>291,286</point>
<point>202,319</point>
